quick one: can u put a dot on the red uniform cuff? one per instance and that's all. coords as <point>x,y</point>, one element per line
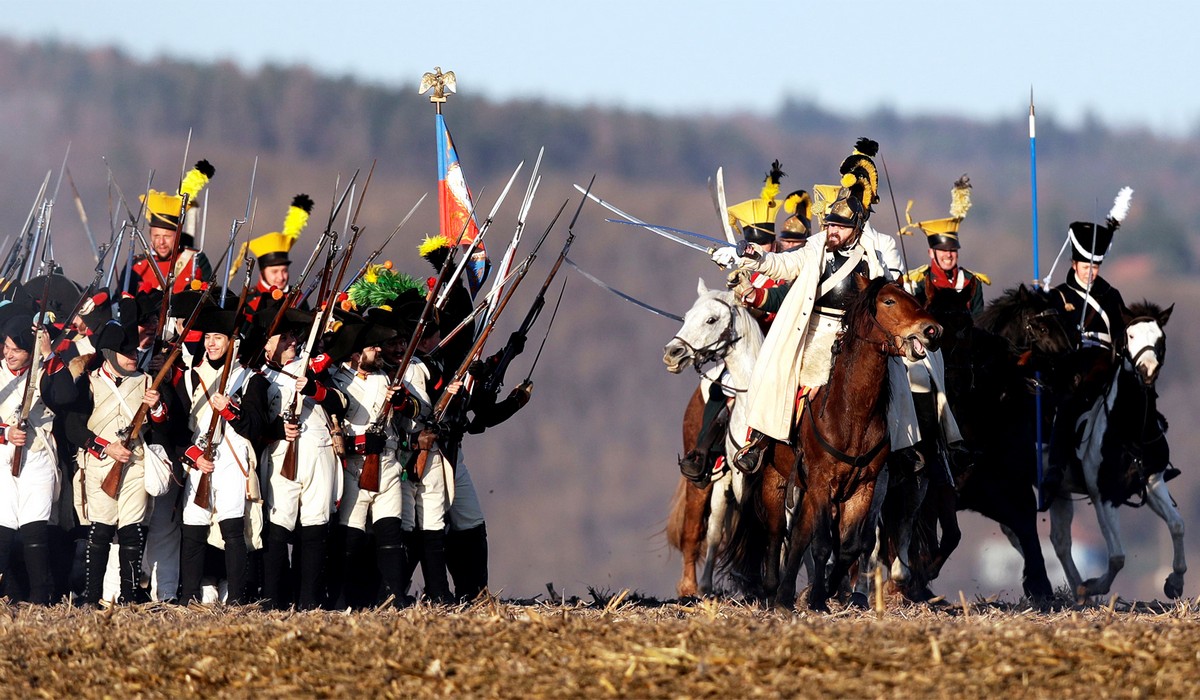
<point>231,411</point>
<point>95,447</point>
<point>191,454</point>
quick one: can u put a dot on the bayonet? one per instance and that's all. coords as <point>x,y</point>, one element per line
<point>374,254</point>
<point>83,217</point>
<point>478,240</point>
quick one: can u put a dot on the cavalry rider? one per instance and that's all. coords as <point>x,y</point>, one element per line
<point>756,220</point>
<point>172,245</point>
<point>240,410</point>
<point>1096,311</point>
<point>271,249</point>
<point>797,353</point>
<point>943,270</point>
<point>30,486</point>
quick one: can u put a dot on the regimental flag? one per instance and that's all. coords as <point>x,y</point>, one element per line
<point>455,207</point>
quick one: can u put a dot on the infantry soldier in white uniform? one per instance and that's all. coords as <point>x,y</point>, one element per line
<point>106,405</point>
<point>306,501</point>
<point>241,417</point>
<point>26,498</point>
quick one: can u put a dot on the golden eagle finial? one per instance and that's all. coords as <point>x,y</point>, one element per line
<point>440,82</point>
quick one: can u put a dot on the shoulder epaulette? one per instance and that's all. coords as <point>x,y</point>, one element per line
<point>981,277</point>
<point>917,275</point>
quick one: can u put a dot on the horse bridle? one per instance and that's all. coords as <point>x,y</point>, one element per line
<point>1027,320</point>
<point>894,345</point>
<point>717,348</point>
<point>1159,348</point>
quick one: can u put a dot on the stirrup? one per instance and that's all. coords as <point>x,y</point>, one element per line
<point>749,458</point>
<point>693,466</point>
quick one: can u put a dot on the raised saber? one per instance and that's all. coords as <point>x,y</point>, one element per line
<point>613,290</point>
<point>633,220</point>
<point>723,208</point>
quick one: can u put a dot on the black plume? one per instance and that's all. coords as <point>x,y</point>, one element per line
<point>866,146</point>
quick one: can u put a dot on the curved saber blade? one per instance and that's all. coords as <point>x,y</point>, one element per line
<point>635,220</point>
<point>723,208</point>
<point>599,283</point>
<point>659,227</point>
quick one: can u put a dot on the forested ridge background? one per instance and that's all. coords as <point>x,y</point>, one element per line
<point>576,486</point>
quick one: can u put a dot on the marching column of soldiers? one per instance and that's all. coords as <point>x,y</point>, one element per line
<point>175,441</point>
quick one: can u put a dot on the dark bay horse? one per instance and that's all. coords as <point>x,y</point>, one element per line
<point>843,435</point>
<point>987,386</point>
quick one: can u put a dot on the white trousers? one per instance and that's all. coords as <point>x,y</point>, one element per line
<point>358,506</point>
<point>312,498</point>
<point>27,498</point>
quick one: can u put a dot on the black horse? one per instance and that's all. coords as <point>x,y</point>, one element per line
<point>993,369</point>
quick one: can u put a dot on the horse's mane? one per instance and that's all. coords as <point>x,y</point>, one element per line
<point>859,316</point>
<point>1005,310</point>
<point>1144,308</point>
<point>748,330</point>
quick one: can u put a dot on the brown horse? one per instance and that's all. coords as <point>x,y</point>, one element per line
<point>843,436</point>
<point>686,524</point>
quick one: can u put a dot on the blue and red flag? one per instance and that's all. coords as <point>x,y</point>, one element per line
<point>455,208</point>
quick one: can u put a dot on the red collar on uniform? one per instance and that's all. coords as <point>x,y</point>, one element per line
<point>943,279</point>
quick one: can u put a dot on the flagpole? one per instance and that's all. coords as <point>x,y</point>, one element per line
<point>1037,282</point>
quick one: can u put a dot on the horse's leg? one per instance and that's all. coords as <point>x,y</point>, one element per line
<point>815,530</point>
<point>1110,527</point>
<point>946,502</point>
<point>854,535</point>
<point>718,522</point>
<point>1023,535</point>
<point>913,492</point>
<point>774,487</point>
<point>695,506</point>
<point>1159,499</point>
<point>1062,511</point>
<point>871,557</point>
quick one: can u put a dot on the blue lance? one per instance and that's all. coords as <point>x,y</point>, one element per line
<point>1037,389</point>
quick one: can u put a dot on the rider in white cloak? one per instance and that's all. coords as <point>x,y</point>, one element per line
<point>797,351</point>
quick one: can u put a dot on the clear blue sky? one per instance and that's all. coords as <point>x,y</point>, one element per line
<point>1130,64</point>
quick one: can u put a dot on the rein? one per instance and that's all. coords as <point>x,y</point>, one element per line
<point>715,350</point>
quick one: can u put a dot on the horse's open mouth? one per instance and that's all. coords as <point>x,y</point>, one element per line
<point>914,348</point>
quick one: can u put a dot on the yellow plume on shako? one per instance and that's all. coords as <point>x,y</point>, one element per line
<point>432,243</point>
<point>196,179</point>
<point>960,198</point>
<point>297,216</point>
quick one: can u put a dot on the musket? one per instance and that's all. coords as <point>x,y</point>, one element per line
<point>443,402</point>
<point>112,481</point>
<point>553,315</point>
<point>50,210</point>
<point>376,253</point>
<point>293,296</point>
<point>27,396</point>
<point>236,226</point>
<point>203,497</point>
<point>290,415</point>
<point>496,378</point>
<point>39,232</point>
<point>83,216</point>
<point>478,240</point>
<point>25,244</point>
<point>488,301</point>
<point>510,252</point>
<point>169,284</point>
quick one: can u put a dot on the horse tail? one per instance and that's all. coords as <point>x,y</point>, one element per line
<point>676,519</point>
<point>745,551</point>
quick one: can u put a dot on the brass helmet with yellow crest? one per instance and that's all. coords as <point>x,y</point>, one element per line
<point>755,218</point>
<point>272,248</point>
<point>164,209</point>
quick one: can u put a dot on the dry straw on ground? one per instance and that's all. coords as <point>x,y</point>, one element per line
<point>609,646</point>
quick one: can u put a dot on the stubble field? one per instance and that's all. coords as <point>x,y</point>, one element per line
<point>606,646</point>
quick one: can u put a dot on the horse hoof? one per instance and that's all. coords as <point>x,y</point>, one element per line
<point>1173,587</point>
<point>859,600</point>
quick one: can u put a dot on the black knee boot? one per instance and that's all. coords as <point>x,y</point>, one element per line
<point>335,577</point>
<point>233,531</point>
<point>469,550</point>
<point>7,535</point>
<point>37,561</point>
<point>95,561</point>
<point>132,542</point>
<point>389,554</point>
<point>275,588</point>
<point>433,567</point>
<point>193,540</point>
<point>312,565</point>
<point>361,586</point>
